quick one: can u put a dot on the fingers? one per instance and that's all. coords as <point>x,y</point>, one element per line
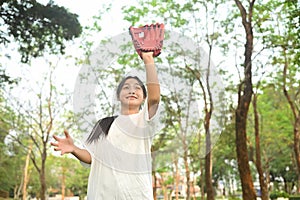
<point>56,138</point>
<point>60,142</point>
<point>57,148</point>
<point>59,139</point>
<point>54,144</point>
<point>61,151</point>
<point>66,134</point>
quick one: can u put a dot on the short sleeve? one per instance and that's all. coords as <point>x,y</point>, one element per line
<point>153,122</point>
<point>145,109</point>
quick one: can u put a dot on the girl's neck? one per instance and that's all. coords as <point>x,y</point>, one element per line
<point>128,111</point>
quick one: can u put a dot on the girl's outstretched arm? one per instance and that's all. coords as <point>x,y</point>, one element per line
<point>66,145</point>
<point>152,83</point>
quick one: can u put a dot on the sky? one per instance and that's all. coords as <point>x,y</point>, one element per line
<point>112,23</point>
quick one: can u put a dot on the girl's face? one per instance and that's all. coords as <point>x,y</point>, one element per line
<point>131,94</point>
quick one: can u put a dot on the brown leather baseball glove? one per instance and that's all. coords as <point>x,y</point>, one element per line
<point>148,38</point>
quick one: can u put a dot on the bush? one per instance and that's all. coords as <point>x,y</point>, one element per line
<point>276,194</point>
<point>294,198</point>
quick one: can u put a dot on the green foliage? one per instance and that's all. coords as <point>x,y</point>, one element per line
<point>275,122</point>
<point>279,31</point>
<point>11,157</point>
<point>37,27</point>
<point>76,176</point>
<point>294,197</point>
<point>277,194</point>
<point>12,161</point>
<point>5,79</point>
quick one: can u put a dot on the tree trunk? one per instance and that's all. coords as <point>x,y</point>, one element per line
<point>262,182</point>
<point>43,175</point>
<point>63,183</point>
<point>202,181</point>
<point>26,176</point>
<point>208,107</point>
<point>242,158</point>
<point>208,177</point>
<point>17,189</point>
<point>164,186</point>
<point>244,99</point>
<point>296,148</point>
<point>187,171</point>
<point>154,184</point>
<point>176,177</point>
<point>43,186</point>
<point>208,157</point>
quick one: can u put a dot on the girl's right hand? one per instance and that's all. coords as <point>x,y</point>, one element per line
<point>64,145</point>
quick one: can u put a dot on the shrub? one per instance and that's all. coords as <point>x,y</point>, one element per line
<point>294,198</point>
<point>276,194</point>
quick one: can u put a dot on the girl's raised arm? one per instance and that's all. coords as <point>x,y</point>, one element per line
<point>152,83</point>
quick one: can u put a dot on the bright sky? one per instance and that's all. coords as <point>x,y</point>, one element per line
<point>113,23</point>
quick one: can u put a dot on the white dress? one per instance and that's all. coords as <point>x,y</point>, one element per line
<point>121,161</point>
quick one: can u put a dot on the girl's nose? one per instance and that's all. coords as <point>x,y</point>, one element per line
<point>132,90</point>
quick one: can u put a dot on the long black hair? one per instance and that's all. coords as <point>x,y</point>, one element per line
<point>102,127</point>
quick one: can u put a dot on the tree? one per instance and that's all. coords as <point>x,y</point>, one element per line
<point>66,176</point>
<point>258,159</point>
<point>11,158</point>
<point>281,36</point>
<point>36,122</point>
<point>161,160</point>
<point>225,167</point>
<point>207,86</point>
<point>36,28</point>
<point>244,99</point>
<point>77,179</point>
<point>274,119</point>
<point>290,63</point>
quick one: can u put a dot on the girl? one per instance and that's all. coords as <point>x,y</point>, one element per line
<point>118,148</point>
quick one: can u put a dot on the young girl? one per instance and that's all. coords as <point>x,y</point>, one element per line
<point>118,148</point>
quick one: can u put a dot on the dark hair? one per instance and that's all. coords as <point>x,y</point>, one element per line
<point>121,84</point>
<point>101,128</point>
